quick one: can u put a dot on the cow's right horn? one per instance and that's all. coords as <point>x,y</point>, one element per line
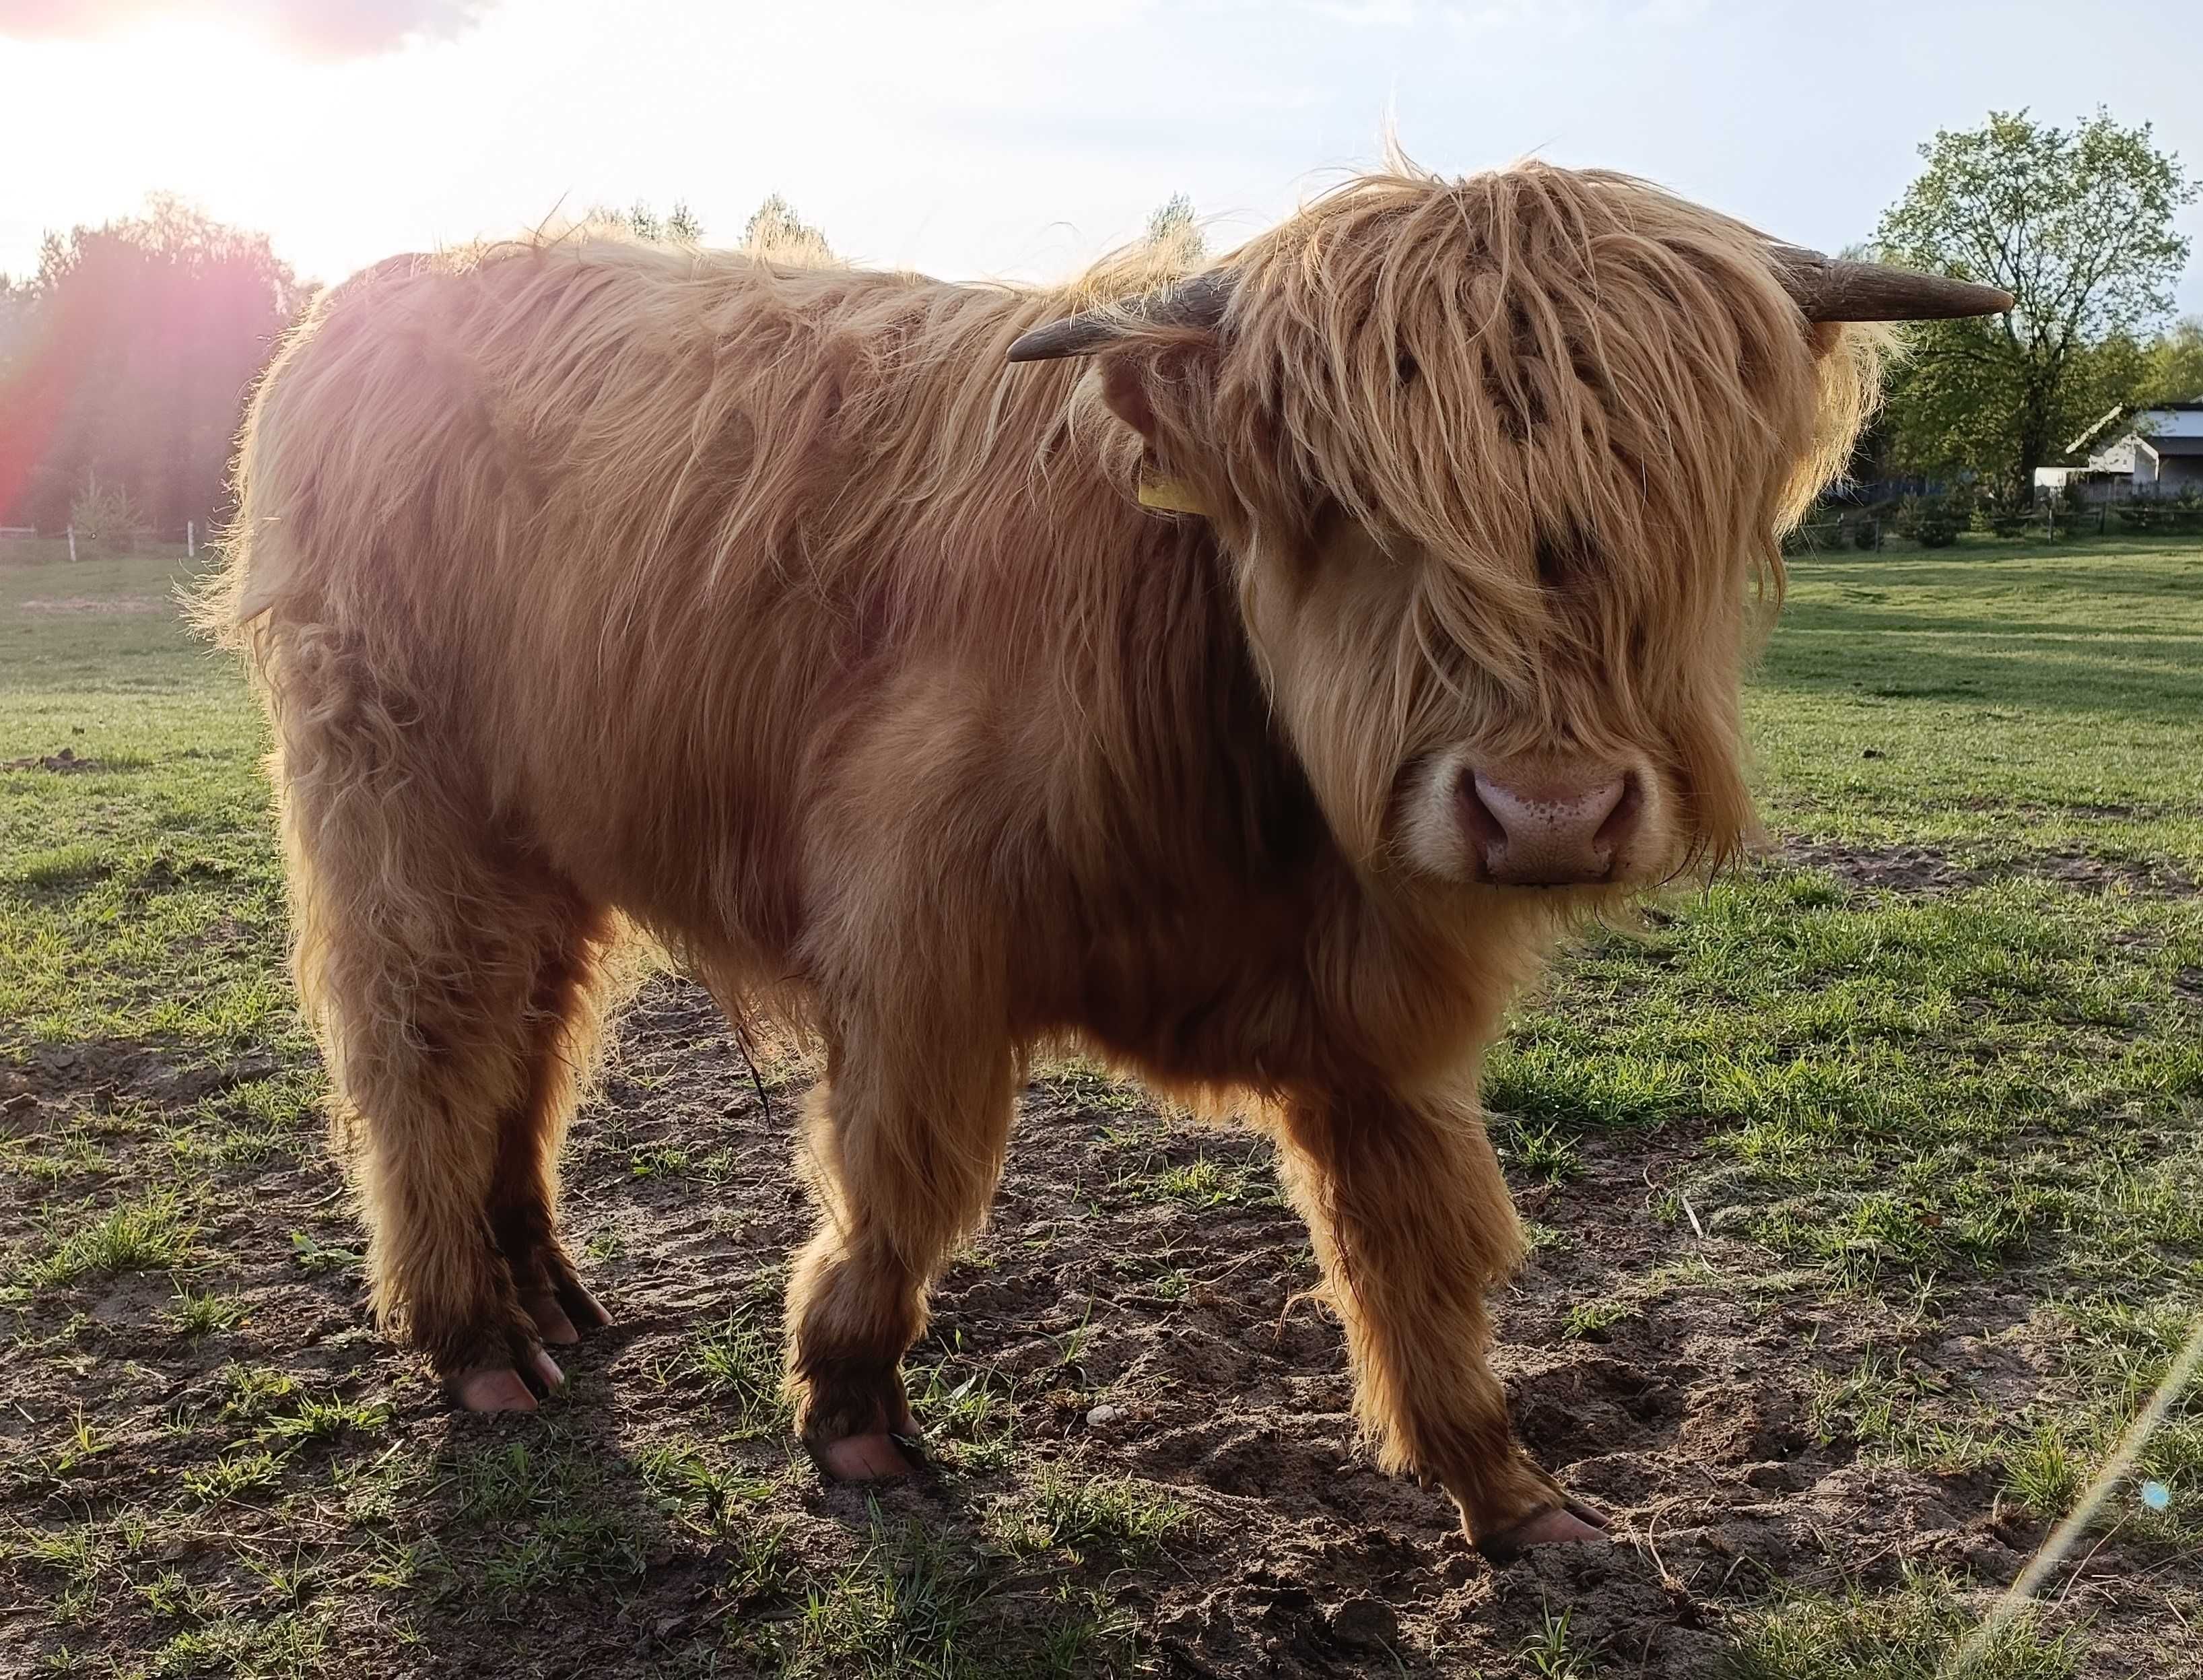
<point>1198,302</point>
<point>1836,289</point>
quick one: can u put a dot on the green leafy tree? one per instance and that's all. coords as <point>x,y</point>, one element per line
<point>126,360</point>
<point>2172,366</point>
<point>2077,225</point>
<point>1174,233</point>
<point>775,230</point>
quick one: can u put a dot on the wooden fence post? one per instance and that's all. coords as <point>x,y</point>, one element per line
<point>72,542</point>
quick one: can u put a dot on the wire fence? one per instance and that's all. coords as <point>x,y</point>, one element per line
<point>190,537</point>
<point>2047,522</point>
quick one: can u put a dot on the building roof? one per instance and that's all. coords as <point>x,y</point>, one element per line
<point>2171,420</point>
<point>2163,419</point>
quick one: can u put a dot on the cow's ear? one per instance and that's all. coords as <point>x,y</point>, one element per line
<point>1164,393</point>
<point>1822,337</point>
<point>1165,390</point>
<point>1124,389</point>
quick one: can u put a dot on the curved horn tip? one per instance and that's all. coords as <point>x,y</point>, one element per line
<point>1198,301</point>
<point>1833,288</point>
<point>1075,336</point>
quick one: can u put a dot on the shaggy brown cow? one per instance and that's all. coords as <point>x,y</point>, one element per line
<point>773,611</point>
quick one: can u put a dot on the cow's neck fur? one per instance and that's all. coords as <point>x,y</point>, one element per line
<point>1342,969</point>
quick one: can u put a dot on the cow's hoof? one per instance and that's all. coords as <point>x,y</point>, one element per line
<point>501,1388</point>
<point>550,1319</point>
<point>560,1317</point>
<point>583,1308</point>
<point>1571,1523</point>
<point>873,1458</point>
<point>563,1309</point>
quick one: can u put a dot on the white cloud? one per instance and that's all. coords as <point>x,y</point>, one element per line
<point>1019,136</point>
<point>320,28</point>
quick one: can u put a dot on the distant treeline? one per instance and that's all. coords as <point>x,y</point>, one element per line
<point>124,363</point>
<point>125,359</point>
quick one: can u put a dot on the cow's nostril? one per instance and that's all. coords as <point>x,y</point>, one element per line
<point>1621,821</point>
<point>1486,830</point>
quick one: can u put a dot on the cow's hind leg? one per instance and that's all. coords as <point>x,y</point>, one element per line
<point>453,983</point>
<point>563,1024</point>
<point>903,1145</point>
<point>1413,1223</point>
<point>455,1076</point>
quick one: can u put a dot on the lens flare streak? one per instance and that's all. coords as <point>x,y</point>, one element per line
<point>2154,1495</point>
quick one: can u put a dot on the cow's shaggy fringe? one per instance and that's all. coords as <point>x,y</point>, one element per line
<point>770,609</point>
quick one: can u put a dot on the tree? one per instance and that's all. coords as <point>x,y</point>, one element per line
<point>776,231</point>
<point>133,348</point>
<point>2077,224</point>
<point>1174,233</point>
<point>2172,367</point>
<point>15,319</point>
<point>678,226</point>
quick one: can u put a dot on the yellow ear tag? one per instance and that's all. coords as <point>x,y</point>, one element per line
<point>1172,495</point>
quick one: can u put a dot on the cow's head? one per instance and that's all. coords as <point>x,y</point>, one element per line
<point>1502,464</point>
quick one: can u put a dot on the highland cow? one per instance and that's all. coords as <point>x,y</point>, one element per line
<point>1249,694</point>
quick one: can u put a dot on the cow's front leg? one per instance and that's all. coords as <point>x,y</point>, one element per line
<point>1412,1224</point>
<point>903,1146</point>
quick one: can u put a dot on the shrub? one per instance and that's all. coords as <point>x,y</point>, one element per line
<point>105,517</point>
<point>2183,513</point>
<point>1933,522</point>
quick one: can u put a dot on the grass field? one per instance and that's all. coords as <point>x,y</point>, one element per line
<point>1866,1188</point>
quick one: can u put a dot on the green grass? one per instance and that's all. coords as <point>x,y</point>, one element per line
<point>1556,1651</point>
<point>2015,696</point>
<point>738,1360</point>
<point>1913,1633</point>
<point>1119,1517</point>
<point>1590,1321</point>
<point>140,896</point>
<point>151,1234</point>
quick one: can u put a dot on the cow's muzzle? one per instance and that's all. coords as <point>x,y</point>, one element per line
<point>1549,825</point>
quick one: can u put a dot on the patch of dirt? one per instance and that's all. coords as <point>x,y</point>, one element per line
<point>1923,871</point>
<point>62,763</point>
<point>1123,1328</point>
<point>97,606</point>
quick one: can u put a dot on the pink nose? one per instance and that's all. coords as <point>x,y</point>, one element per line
<point>1549,831</point>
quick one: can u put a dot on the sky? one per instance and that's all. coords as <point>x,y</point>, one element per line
<point>1012,137</point>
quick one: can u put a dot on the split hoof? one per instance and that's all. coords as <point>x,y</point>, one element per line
<point>1571,1523</point>
<point>582,1309</point>
<point>550,1319</point>
<point>494,1388</point>
<point>873,1458</point>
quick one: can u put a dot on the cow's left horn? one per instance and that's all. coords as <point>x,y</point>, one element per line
<point>1834,288</point>
<point>1195,302</point>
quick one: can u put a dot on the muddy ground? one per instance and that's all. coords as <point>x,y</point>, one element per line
<point>1139,1307</point>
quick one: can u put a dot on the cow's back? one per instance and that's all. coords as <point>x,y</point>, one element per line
<point>647,541</point>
